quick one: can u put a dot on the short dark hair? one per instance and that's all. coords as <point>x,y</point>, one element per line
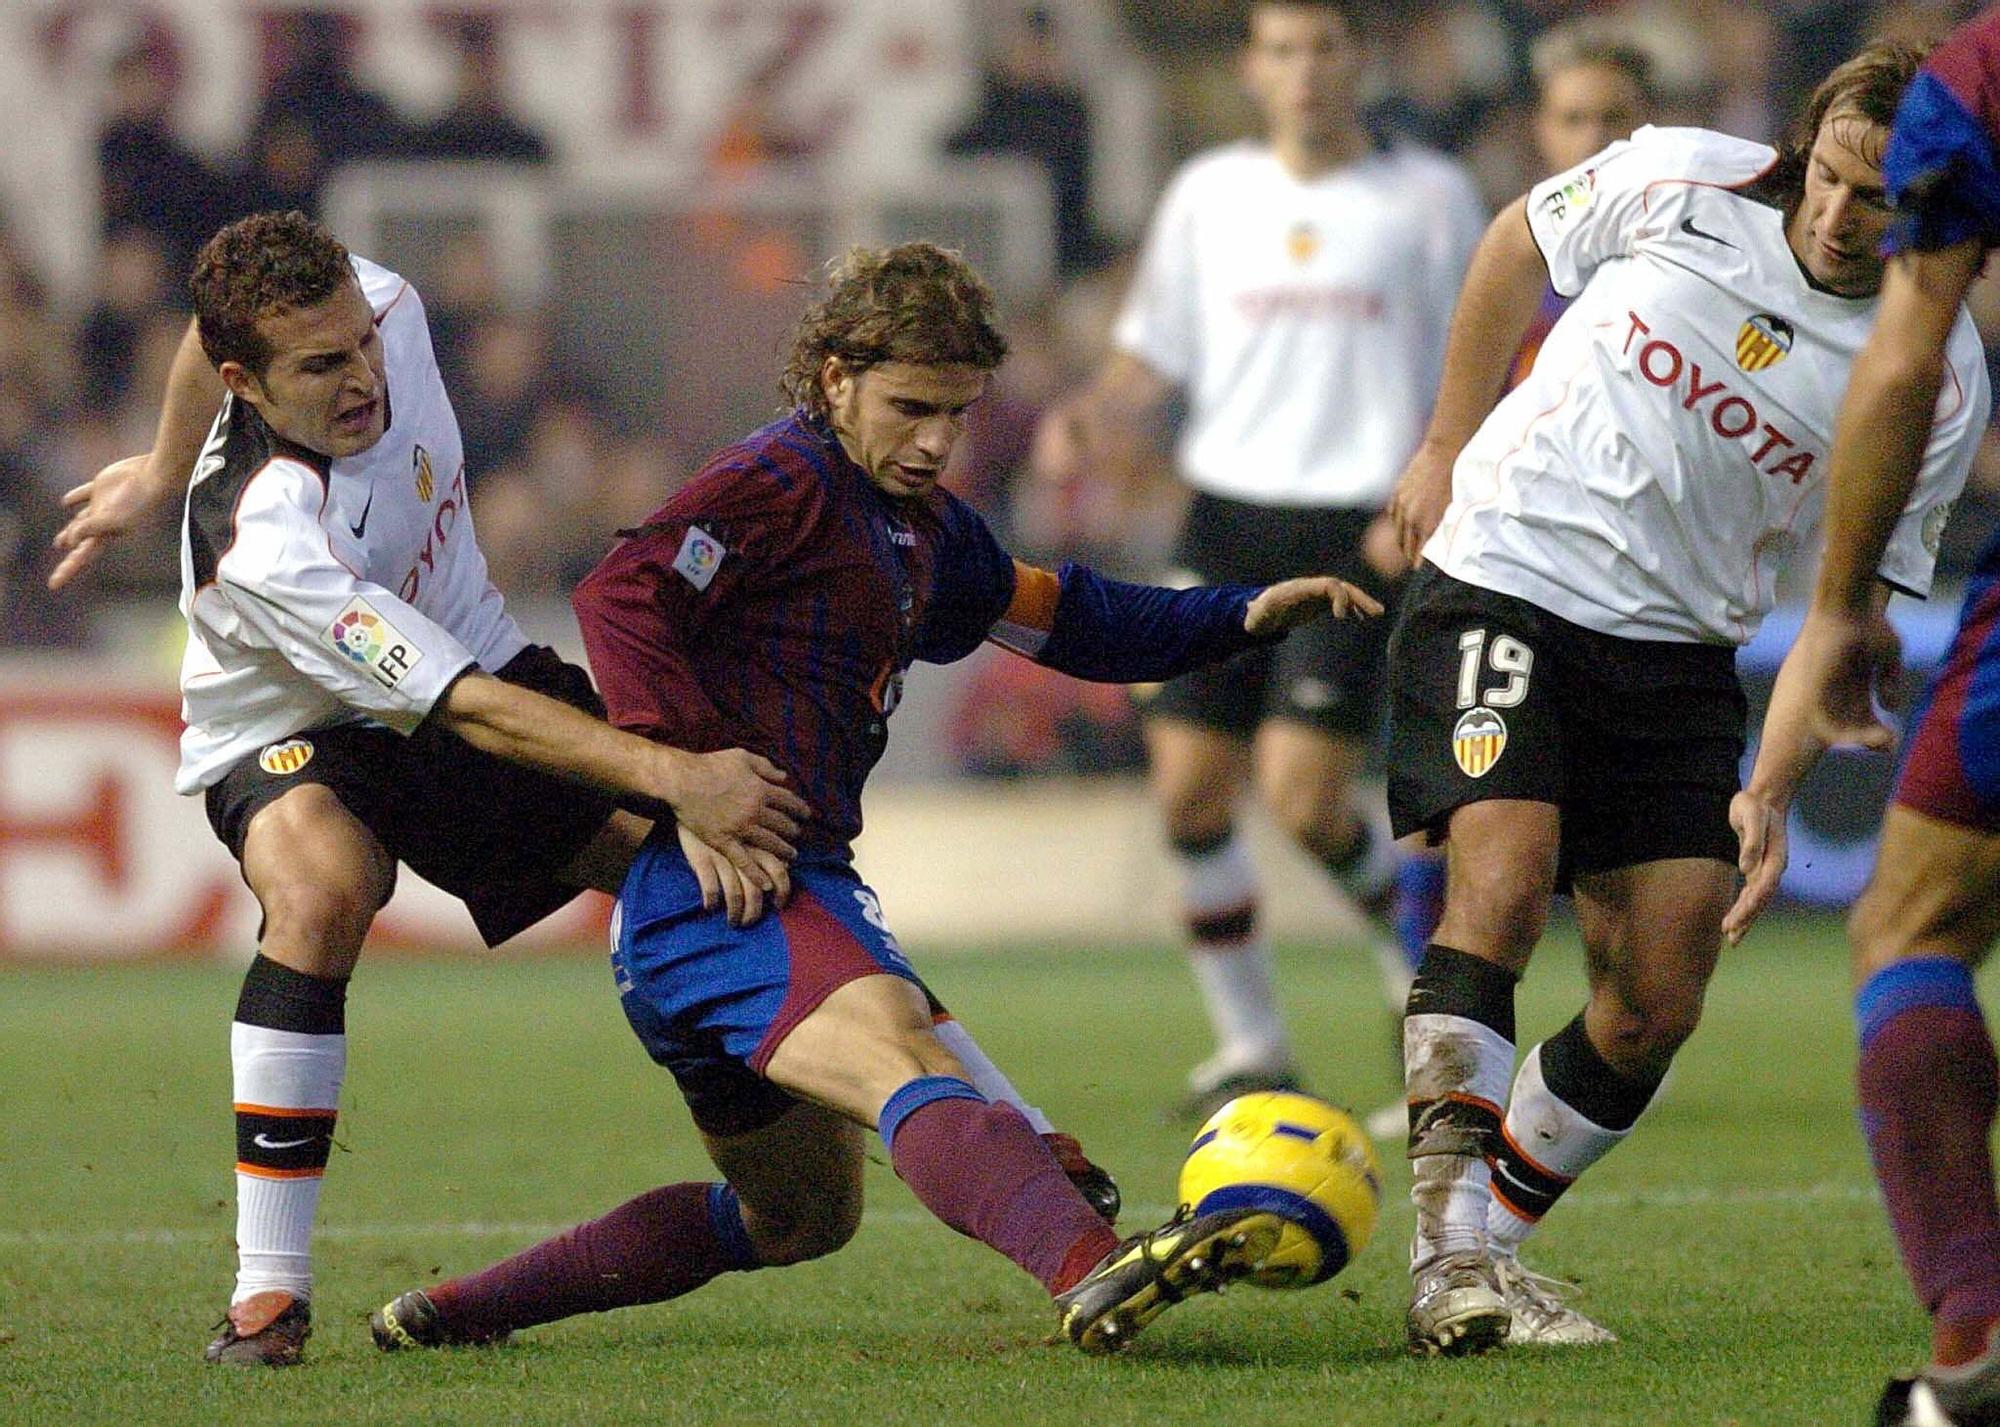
<point>1348,10</point>
<point>257,266</point>
<point>915,303</point>
<point>1868,86</point>
<point>1593,44</point>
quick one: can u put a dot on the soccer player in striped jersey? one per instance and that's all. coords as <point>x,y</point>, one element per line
<point>777,601</point>
<point>1927,1079</point>
<point>1564,702</point>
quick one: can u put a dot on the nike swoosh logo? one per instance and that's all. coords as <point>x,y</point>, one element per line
<point>361,525</point>
<point>1687,227</point>
<point>265,1142</point>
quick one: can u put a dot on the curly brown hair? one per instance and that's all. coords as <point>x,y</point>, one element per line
<point>257,266</point>
<point>915,303</point>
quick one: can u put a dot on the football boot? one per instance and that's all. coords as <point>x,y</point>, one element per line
<point>1540,1314</point>
<point>1150,1272</point>
<point>266,1330</point>
<point>1092,1181</point>
<point>1456,1306</point>
<point>1211,1093</point>
<point>411,1320</point>
<point>1963,1396</point>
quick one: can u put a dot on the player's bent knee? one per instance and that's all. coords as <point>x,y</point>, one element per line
<point>828,1229</point>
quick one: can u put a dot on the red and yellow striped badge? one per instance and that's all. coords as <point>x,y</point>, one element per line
<point>288,757</point>
<point>1762,341</point>
<point>426,482</point>
<point>1302,242</point>
<point>1478,741</point>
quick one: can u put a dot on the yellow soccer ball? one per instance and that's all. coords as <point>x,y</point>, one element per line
<point>1299,1159</point>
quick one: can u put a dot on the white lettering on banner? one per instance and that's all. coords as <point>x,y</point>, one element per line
<point>101,860</point>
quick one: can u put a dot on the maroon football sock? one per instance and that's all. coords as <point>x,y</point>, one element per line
<point>1928,1088</point>
<point>986,1173</point>
<point>664,1243</point>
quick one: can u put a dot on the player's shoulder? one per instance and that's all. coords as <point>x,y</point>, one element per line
<point>772,469</point>
<point>1965,351</point>
<point>383,288</point>
<point>1222,167</point>
<point>1708,156</point>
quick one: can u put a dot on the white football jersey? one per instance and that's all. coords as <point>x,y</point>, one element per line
<point>1303,319</point>
<point>1667,453</point>
<point>325,591</point>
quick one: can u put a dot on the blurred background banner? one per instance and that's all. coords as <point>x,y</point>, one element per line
<point>615,210</point>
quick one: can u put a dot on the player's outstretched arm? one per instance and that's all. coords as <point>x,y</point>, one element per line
<point>735,800</point>
<point>1502,289</point>
<point>118,497</point>
<point>1290,603</point>
<point>1865,657</point>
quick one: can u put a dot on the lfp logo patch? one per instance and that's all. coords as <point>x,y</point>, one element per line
<point>288,757</point>
<point>1478,741</point>
<point>699,558</point>
<point>365,637</point>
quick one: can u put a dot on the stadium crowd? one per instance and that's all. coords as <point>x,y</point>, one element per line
<point>557,463</point>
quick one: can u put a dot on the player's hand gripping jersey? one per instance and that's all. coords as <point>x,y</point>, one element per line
<point>1668,452</point>
<point>777,600</point>
<point>1305,319</point>
<point>320,591</point>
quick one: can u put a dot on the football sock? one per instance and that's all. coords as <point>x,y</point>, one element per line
<point>1568,1110</point>
<point>287,1053</point>
<point>982,1170</point>
<point>1928,1089</point>
<point>667,1242</point>
<point>1458,1051</point>
<point>1231,960</point>
<point>1419,903</point>
<point>986,1077</point>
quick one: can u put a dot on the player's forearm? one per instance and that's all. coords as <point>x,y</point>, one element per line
<point>187,409</point>
<point>529,728</point>
<point>1884,425</point>
<point>1118,633</point>
<point>1502,289</point>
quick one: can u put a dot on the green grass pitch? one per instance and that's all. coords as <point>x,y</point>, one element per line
<point>1735,1243</point>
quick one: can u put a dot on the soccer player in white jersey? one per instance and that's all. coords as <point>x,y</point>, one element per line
<point>1295,293</point>
<point>1564,702</point>
<point>355,694</point>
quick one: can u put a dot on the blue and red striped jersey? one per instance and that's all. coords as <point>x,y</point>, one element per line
<point>775,602</point>
<point>1942,165</point>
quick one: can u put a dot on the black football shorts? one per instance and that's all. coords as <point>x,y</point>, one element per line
<point>1638,742</point>
<point>1327,674</point>
<point>492,833</point>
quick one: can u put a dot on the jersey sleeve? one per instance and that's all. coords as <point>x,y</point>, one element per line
<point>1940,169</point>
<point>974,582</point>
<point>670,585</point>
<point>1591,213</point>
<point>1080,623</point>
<point>279,586</point>
<point>1160,323</point>
<point>1964,406</point>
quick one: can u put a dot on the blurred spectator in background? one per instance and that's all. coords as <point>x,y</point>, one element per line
<point>37,383</point>
<point>1032,105</point>
<point>133,296</point>
<point>148,178</point>
<point>1593,85</point>
<point>316,115</point>
<point>478,124</point>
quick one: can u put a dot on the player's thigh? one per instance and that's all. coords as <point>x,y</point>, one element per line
<point>1652,934</point>
<point>1304,772</point>
<point>319,875</point>
<point>798,1180</point>
<point>1935,891</point>
<point>857,1047</point>
<point>1196,771</point>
